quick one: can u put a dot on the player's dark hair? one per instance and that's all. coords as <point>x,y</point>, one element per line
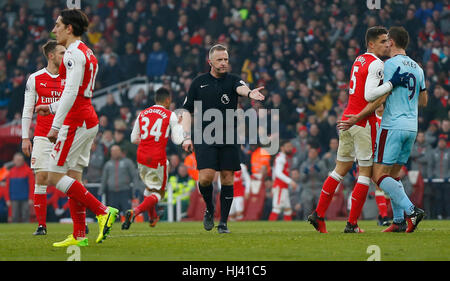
<point>283,142</point>
<point>217,47</point>
<point>161,95</point>
<point>49,47</point>
<point>373,33</point>
<point>77,19</point>
<point>400,36</point>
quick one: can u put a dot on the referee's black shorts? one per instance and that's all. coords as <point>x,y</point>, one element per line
<point>218,157</point>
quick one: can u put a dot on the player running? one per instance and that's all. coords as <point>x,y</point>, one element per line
<point>151,132</point>
<point>74,128</point>
<point>43,87</point>
<point>398,131</point>
<point>366,77</point>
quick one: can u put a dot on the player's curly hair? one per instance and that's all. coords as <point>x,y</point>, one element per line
<point>77,19</point>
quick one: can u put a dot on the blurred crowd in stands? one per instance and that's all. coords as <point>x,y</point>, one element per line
<point>301,51</point>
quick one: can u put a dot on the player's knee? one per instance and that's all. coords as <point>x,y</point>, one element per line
<point>42,178</point>
<point>53,178</point>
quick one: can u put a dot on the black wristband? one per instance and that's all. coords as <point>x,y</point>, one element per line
<point>248,94</point>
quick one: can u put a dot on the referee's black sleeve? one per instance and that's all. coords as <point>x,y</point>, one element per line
<point>237,81</point>
<point>190,97</point>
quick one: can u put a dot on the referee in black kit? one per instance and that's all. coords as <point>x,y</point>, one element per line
<point>216,90</point>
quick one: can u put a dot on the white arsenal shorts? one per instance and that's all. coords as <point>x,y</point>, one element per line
<point>72,149</point>
<point>356,142</point>
<point>280,199</point>
<point>40,155</point>
<point>237,206</point>
<point>154,178</point>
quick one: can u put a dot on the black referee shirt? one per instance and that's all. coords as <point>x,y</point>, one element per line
<point>214,93</point>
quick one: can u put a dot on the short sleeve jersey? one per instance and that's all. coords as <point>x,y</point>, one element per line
<point>401,108</point>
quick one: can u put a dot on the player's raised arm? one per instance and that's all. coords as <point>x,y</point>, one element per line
<point>243,90</point>
<point>27,114</point>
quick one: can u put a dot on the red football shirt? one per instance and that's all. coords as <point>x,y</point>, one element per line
<point>154,127</point>
<point>360,73</point>
<point>81,62</point>
<point>42,88</point>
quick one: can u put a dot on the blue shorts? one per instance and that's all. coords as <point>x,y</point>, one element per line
<point>394,146</point>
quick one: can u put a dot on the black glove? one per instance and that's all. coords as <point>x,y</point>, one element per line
<point>399,79</point>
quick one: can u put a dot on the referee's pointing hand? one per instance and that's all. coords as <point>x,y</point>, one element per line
<point>256,94</point>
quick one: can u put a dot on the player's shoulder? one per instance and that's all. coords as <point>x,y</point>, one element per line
<point>74,54</point>
<point>280,156</point>
<point>38,73</point>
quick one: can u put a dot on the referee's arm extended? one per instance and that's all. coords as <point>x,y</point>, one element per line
<point>242,90</point>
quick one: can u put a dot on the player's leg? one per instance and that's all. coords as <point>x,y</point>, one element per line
<point>358,198</point>
<point>72,147</point>
<point>329,187</point>
<point>155,180</point>
<point>77,209</point>
<point>380,199</point>
<point>239,206</point>
<point>286,203</point>
<point>362,137</point>
<point>395,148</point>
<point>40,154</point>
<point>276,203</point>
<point>344,162</point>
<point>40,201</point>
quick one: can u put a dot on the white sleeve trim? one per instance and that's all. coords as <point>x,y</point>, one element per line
<point>375,74</point>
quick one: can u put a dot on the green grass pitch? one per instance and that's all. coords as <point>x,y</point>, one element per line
<point>249,241</point>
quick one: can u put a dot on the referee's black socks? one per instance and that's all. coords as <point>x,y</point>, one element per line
<point>207,193</point>
<point>226,198</point>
